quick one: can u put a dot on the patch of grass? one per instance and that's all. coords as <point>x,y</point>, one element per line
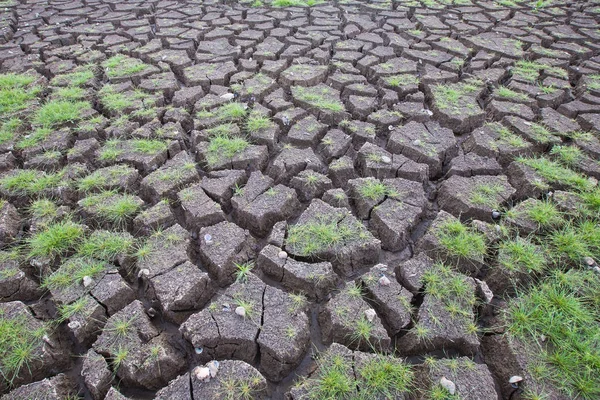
<point>401,80</point>
<point>520,255</point>
<point>43,208</point>
<point>80,306</point>
<point>459,240</point>
<point>544,213</point>
<point>9,129</point>
<point>31,182</point>
<point>569,156</point>
<point>529,71</point>
<point>296,3</point>
<point>72,272</point>
<point>298,301</point>
<point>120,66</point>
<point>57,112</point>
<point>70,93</point>
<point>16,92</point>
<point>57,239</point>
<point>316,236</point>
<point>318,97</point>
<point>374,189</point>
<point>505,136</point>
<point>33,139</point>
<point>486,194</point>
<point>257,122</point>
<point>452,96</point>
<point>384,377</point>
<point>560,309</point>
<point>450,287</point>
<point>106,245</point>
<point>103,177</point>
<point>78,77</point>
<point>18,344</point>
<point>574,241</point>
<point>113,207</point>
<point>553,171</point>
<point>506,93</point>
<point>119,357</point>
<point>224,147</point>
<point>334,380</point>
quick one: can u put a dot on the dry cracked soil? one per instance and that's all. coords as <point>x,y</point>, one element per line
<point>297,199</point>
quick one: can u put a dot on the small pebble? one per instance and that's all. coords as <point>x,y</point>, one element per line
<point>241,311</point>
<point>589,261</point>
<point>198,350</point>
<point>213,367</point>
<point>282,254</point>
<point>597,269</point>
<point>384,281</point>
<point>208,238</point>
<point>143,272</point>
<point>226,307</point>
<point>370,314</point>
<point>448,385</point>
<point>151,312</point>
<point>390,128</point>
<point>87,281</point>
<point>74,325</point>
<point>386,160</point>
<point>202,373</point>
<point>227,96</point>
<point>495,214</point>
<point>514,380</point>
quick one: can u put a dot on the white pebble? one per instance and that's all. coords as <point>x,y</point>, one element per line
<point>241,311</point>
<point>370,314</point>
<point>208,238</point>
<point>74,325</point>
<point>448,385</point>
<point>227,96</point>
<point>143,272</point>
<point>282,254</point>
<point>384,281</point>
<point>87,281</point>
<point>213,367</point>
<point>515,379</point>
<point>198,350</point>
<point>202,373</point>
<point>386,160</point>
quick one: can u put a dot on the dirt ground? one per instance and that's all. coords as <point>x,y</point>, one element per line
<point>257,184</point>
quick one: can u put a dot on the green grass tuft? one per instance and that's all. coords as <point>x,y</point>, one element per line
<point>57,239</point>
<point>458,240</point>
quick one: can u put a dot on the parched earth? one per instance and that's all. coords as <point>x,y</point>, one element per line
<point>220,199</point>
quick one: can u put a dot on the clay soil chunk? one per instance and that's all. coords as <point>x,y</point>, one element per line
<point>58,387</point>
<point>315,280</point>
<point>263,211</point>
<point>292,161</point>
<point>306,132</point>
<point>456,106</point>
<point>268,313</point>
<point>10,222</point>
<point>410,273</point>
<point>424,143</point>
<point>392,301</point>
<point>310,185</point>
<point>222,246</point>
<point>168,179</point>
<point>130,336</point>
<point>199,209</point>
<point>343,320</point>
<point>347,245</point>
<point>303,75</point>
<point>16,284</point>
<point>165,250</point>
<point>322,101</point>
<point>474,197</point>
<point>472,381</point>
<point>180,291</point>
<point>96,374</point>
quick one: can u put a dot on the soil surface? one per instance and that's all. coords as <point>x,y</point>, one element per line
<point>282,177</point>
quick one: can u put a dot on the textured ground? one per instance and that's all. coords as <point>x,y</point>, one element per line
<point>190,181</point>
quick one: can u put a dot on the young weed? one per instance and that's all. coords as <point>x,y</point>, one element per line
<point>57,239</point>
<point>72,273</point>
<point>119,66</point>
<point>384,377</point>
<point>243,271</point>
<point>374,189</point>
<point>460,241</point>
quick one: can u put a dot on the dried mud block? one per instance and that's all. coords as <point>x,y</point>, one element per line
<point>474,197</point>
<point>180,291</point>
<point>349,320</point>
<point>410,273</point>
<point>158,217</point>
<point>391,300</point>
<point>456,105</point>
<point>10,222</point>
<point>445,319</point>
<point>334,144</point>
<point>96,375</point>
<point>495,43</point>
<point>472,381</point>
<point>471,164</point>
<point>56,388</point>
<point>198,209</point>
<point>427,143</point>
<point>221,185</point>
<point>130,338</point>
<point>307,132</point>
<point>250,318</point>
<point>222,246</point>
<point>347,244</point>
<point>443,242</point>
<point>165,249</point>
<point>310,185</point>
<point>322,101</point>
<point>168,179</point>
<point>374,161</point>
<point>16,284</point>
<point>315,280</point>
<point>291,161</point>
